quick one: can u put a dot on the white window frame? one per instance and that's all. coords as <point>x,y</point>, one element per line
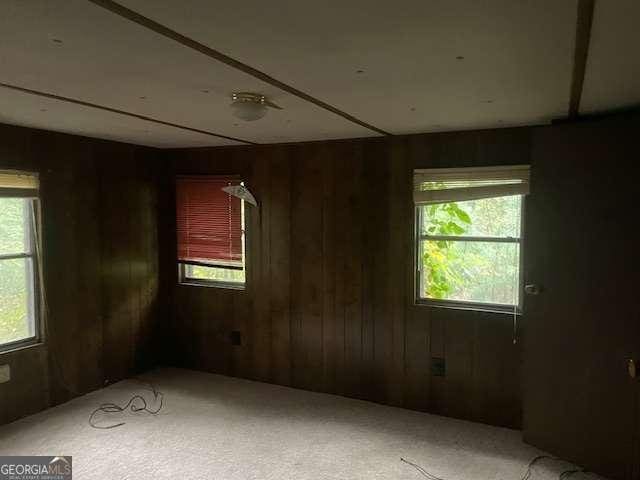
<point>421,198</point>
<point>31,223</point>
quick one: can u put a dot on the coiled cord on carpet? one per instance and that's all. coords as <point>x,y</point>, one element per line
<point>137,403</point>
<point>562,476</point>
<point>527,475</point>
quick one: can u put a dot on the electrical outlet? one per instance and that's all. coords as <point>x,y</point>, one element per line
<point>5,373</point>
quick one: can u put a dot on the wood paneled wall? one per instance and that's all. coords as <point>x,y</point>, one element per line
<point>329,298</point>
<point>100,250</point>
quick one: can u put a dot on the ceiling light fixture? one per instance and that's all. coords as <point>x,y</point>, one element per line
<point>250,106</point>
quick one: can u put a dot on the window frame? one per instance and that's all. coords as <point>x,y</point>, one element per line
<point>185,279</point>
<point>463,304</point>
<point>32,226</point>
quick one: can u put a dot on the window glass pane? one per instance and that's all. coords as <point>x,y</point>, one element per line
<point>13,213</point>
<point>488,217</point>
<point>215,274</point>
<point>16,300</point>
<point>485,272</point>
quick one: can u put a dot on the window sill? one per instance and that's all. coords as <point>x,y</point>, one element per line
<point>21,345</point>
<point>469,306</point>
<point>219,285</point>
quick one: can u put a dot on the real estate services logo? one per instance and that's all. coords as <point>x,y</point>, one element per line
<point>35,468</point>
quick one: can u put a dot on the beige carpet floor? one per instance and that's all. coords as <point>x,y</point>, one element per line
<point>215,427</point>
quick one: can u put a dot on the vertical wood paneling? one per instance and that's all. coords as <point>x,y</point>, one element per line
<point>242,311</point>
<point>184,327</point>
<point>211,360</point>
<point>98,256</point>
<point>378,268</point>
<point>374,266</point>
<point>459,355</point>
<point>119,330</point>
<point>59,242</point>
<point>635,475</point>
<point>306,274</point>
<point>348,268</point>
<point>328,293</point>
<point>280,266</point>
<point>148,269</point>
<point>329,300</point>
<point>29,385</point>
<point>496,397</point>
<point>419,386</point>
<point>88,285</point>
<point>400,246</point>
<point>259,267</point>
<point>421,389</point>
<point>436,398</point>
<point>136,271</point>
<point>352,186</point>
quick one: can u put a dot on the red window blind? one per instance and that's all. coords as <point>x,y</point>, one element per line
<point>209,220</point>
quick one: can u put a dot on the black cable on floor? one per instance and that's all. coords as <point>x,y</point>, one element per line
<point>529,471</point>
<point>527,475</point>
<point>137,403</point>
<point>567,473</point>
<point>422,471</point>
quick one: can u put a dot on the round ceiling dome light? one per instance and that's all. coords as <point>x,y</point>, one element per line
<point>250,106</point>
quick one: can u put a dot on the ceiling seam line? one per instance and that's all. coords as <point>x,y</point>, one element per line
<point>584,22</point>
<point>120,112</point>
<point>165,31</point>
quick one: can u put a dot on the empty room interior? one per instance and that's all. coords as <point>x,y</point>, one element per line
<point>319,240</point>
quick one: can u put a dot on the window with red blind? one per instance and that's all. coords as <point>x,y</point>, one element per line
<point>209,221</point>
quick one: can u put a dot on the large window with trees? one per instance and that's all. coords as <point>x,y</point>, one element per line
<point>18,260</point>
<point>469,236</point>
<point>210,228</point>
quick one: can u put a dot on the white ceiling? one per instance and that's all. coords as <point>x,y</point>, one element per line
<point>516,54</point>
<point>44,113</point>
<point>516,68</point>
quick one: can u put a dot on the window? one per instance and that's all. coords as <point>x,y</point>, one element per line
<point>18,265</point>
<point>469,236</point>
<point>210,229</point>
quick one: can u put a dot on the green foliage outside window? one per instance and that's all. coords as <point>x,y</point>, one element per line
<point>216,274</point>
<point>472,271</point>
<point>14,273</point>
<point>439,259</point>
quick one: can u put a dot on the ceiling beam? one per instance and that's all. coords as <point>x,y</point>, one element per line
<point>580,54</point>
<point>120,112</point>
<point>229,61</point>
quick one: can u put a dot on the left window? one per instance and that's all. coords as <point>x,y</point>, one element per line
<point>19,319</point>
<point>210,231</point>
